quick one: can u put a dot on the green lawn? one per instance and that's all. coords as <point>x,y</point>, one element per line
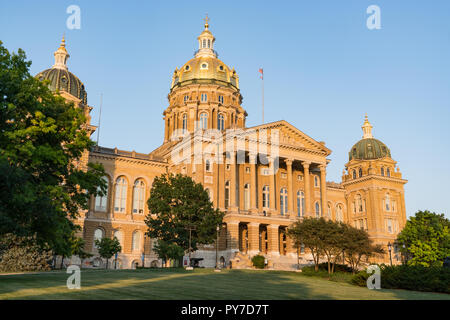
<point>197,284</point>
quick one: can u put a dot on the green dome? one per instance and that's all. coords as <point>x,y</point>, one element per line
<point>63,80</point>
<point>369,149</point>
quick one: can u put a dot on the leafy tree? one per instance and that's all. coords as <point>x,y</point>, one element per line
<point>310,232</point>
<point>426,237</point>
<point>167,251</point>
<point>42,188</point>
<point>357,245</point>
<point>332,242</point>
<point>108,247</point>
<point>78,250</point>
<point>178,204</point>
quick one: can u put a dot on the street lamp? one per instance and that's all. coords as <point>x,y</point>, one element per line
<point>217,246</point>
<point>390,249</point>
<point>404,254</point>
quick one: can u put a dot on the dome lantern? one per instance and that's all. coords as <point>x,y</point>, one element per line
<point>61,56</point>
<point>367,129</point>
<point>206,42</point>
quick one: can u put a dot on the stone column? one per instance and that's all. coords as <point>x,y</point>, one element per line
<point>273,239</point>
<point>253,238</point>
<point>307,189</point>
<point>232,163</point>
<point>272,191</point>
<point>323,190</point>
<point>233,236</point>
<point>290,187</point>
<point>253,186</point>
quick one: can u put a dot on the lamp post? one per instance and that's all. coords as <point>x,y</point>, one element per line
<point>390,249</point>
<point>217,247</point>
<point>404,254</point>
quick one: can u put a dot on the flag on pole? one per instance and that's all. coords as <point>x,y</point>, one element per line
<point>262,73</point>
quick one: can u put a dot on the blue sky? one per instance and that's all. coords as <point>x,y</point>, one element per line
<point>323,70</point>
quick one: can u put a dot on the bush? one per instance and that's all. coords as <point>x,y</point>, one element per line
<point>258,261</point>
<point>22,254</point>
<point>418,278</point>
<point>337,267</point>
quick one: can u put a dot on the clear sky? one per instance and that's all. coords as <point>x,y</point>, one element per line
<point>324,69</point>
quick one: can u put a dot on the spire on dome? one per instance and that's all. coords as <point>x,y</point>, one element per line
<point>61,55</point>
<point>367,128</point>
<point>206,42</point>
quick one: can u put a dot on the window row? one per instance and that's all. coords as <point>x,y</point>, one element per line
<point>120,196</point>
<point>136,239</point>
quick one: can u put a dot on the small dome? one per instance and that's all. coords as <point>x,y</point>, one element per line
<point>369,149</point>
<point>63,80</point>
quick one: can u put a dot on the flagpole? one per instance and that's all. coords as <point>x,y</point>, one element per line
<point>262,91</point>
<point>99,118</point>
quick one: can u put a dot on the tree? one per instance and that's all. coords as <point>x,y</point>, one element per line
<point>108,247</point>
<point>426,237</point>
<point>356,245</point>
<point>332,242</point>
<point>42,188</point>
<point>178,204</point>
<point>310,232</point>
<point>167,251</point>
<point>78,250</point>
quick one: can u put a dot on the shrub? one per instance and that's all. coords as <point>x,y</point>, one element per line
<point>22,254</point>
<point>337,267</point>
<point>258,261</point>
<point>419,278</point>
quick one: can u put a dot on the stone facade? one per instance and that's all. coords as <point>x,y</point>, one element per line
<point>264,177</point>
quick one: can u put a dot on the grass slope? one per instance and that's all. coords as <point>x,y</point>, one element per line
<point>197,284</point>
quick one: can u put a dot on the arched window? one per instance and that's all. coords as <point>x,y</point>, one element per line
<point>209,194</point>
<point>118,234</point>
<point>339,213</point>
<point>354,174</point>
<point>209,43</point>
<point>101,201</point>
<point>246,196</point>
<point>184,123</point>
<point>317,209</point>
<point>204,43</point>
<point>382,171</point>
<point>208,166</point>
<point>120,200</point>
<point>98,235</point>
<point>300,203</point>
<point>283,201</point>
<point>360,172</point>
<point>138,196</point>
<point>204,121</point>
<point>316,181</point>
<point>227,194</point>
<point>388,172</point>
<point>329,211</point>
<point>220,122</point>
<point>359,206</point>
<point>265,198</point>
<point>136,241</point>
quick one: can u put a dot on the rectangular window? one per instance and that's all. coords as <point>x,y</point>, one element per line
<point>300,177</point>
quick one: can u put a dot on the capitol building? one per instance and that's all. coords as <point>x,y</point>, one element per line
<point>264,177</point>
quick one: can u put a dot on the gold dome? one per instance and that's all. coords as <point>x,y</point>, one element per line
<point>205,67</point>
<point>205,70</point>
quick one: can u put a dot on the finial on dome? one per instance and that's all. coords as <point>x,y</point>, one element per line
<point>206,22</point>
<point>61,55</point>
<point>367,128</point>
